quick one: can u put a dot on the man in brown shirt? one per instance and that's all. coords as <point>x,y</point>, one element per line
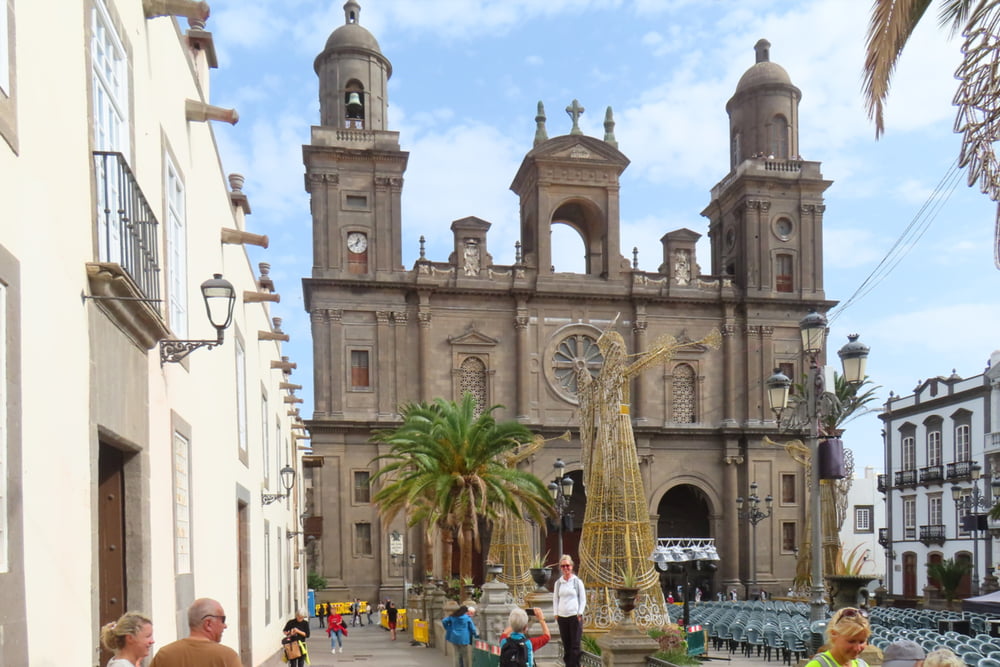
<point>201,648</point>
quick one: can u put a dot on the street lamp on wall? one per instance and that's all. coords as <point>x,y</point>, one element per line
<point>754,515</point>
<point>220,297</point>
<point>287,481</point>
<point>853,355</point>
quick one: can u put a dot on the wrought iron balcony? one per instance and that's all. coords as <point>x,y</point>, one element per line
<point>906,478</point>
<point>883,537</point>
<point>932,474</point>
<point>881,483</point>
<point>933,534</point>
<point>993,440</point>
<point>126,227</point>
<point>960,470</point>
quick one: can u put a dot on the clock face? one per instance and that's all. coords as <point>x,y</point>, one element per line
<point>357,242</point>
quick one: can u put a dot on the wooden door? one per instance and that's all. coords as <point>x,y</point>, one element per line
<point>909,575</point>
<point>111,536</point>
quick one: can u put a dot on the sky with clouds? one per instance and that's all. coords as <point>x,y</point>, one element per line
<point>468,74</point>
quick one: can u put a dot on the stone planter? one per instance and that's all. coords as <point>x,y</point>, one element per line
<point>626,601</point>
<point>540,575</point>
<point>844,589</point>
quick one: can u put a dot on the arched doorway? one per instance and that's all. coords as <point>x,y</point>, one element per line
<point>684,512</point>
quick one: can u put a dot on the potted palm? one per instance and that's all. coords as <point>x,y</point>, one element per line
<point>948,574</point>
<point>848,579</point>
<point>627,590</point>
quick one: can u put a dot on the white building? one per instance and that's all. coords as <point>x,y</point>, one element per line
<point>859,532</point>
<point>938,438</point>
<point>127,482</point>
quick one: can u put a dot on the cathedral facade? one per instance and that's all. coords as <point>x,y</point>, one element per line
<point>517,335</point>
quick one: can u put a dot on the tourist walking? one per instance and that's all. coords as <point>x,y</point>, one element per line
<point>569,600</point>
<point>129,638</point>
<point>296,631</point>
<point>391,614</point>
<point>206,623</point>
<point>459,632</point>
<point>336,631</point>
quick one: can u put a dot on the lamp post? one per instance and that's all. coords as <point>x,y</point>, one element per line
<point>407,564</point>
<point>819,382</point>
<point>971,500</point>
<point>753,515</point>
<point>562,490</point>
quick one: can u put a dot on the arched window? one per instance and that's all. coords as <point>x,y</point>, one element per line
<point>473,381</point>
<point>683,395</point>
<point>354,105</point>
<point>779,137</point>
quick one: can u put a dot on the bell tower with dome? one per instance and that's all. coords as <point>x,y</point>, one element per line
<point>354,166</point>
<point>767,213</point>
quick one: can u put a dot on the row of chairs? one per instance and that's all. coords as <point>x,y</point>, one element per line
<point>772,629</point>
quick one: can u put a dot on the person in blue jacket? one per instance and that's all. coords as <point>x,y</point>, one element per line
<point>460,631</point>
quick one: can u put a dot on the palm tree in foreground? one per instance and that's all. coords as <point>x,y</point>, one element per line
<point>978,100</point>
<point>446,466</point>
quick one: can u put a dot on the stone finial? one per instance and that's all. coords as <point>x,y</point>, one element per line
<point>236,182</point>
<point>763,49</point>
<point>575,110</point>
<point>518,258</point>
<point>540,132</point>
<point>352,11</point>
<point>276,324</point>
<point>422,242</point>
<point>609,128</point>
<point>635,254</point>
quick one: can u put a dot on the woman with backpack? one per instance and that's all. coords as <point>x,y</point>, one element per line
<point>459,632</point>
<point>516,650</point>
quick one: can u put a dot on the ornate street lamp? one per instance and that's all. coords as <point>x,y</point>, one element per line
<point>287,481</point>
<point>220,297</point>
<point>562,490</point>
<point>853,355</point>
<point>754,515</point>
<point>970,501</point>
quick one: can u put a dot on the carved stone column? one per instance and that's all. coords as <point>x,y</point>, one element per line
<point>730,379</point>
<point>643,382</point>
<point>385,355</point>
<point>730,487</point>
<point>424,342</point>
<point>320,322</point>
<point>335,371</point>
<point>523,370</point>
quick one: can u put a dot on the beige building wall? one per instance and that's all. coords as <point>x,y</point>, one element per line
<point>86,397</point>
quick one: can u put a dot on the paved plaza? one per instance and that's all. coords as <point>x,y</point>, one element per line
<point>371,645</point>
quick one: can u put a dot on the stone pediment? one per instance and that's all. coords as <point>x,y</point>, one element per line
<point>473,336</point>
<point>683,235</point>
<point>578,147</point>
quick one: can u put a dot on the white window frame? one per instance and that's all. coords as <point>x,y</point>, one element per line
<point>962,510</point>
<point>934,450</point>
<point>265,431</point>
<point>267,571</point>
<point>935,511</point>
<point>182,504</point>
<point>863,519</point>
<point>910,518</point>
<point>4,51</point>
<point>909,453</point>
<point>963,443</point>
<point>4,436</point>
<point>177,293</point>
<point>241,395</point>
<point>109,66</point>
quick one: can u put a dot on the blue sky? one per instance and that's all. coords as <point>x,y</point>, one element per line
<point>467,75</point>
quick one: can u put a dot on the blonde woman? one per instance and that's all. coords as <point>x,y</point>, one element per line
<point>846,637</point>
<point>129,638</point>
<point>943,657</point>
<point>569,600</point>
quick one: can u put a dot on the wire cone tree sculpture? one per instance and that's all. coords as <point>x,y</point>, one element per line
<point>617,538</point>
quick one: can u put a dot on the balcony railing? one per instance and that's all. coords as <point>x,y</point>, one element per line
<point>906,478</point>
<point>933,534</point>
<point>960,470</point>
<point>993,440</point>
<point>932,474</point>
<point>882,483</point>
<point>127,229</point>
<point>883,537</point>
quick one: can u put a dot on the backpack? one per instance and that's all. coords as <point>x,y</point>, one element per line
<point>514,653</point>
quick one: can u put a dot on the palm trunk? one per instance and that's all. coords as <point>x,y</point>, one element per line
<point>447,543</point>
<point>465,549</point>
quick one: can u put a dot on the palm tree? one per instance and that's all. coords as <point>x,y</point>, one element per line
<point>446,466</point>
<point>891,25</point>
<point>948,574</point>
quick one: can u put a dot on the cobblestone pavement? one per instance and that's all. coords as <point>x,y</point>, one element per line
<point>371,645</point>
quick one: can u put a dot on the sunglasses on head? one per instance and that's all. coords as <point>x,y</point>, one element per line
<point>850,612</point>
